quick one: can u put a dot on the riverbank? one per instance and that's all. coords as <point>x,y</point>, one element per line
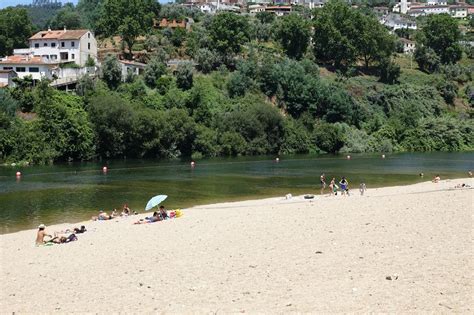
<point>330,254</point>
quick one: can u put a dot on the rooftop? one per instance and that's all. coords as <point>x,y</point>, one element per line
<point>59,34</point>
<point>28,60</point>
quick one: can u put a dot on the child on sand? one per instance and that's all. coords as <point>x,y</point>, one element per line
<point>362,188</point>
<point>331,186</point>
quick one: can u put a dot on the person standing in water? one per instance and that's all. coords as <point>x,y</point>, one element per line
<point>322,180</point>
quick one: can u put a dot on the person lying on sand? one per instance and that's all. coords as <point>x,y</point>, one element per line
<point>63,239</point>
<point>74,230</point>
<point>155,218</point>
<point>462,186</point>
<point>41,234</point>
<point>102,216</point>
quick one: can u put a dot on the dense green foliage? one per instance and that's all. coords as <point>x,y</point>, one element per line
<point>15,29</point>
<point>244,85</point>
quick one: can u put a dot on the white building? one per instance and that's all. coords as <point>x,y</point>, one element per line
<point>459,11</point>
<point>409,46</point>
<point>416,11</point>
<point>437,2</point>
<point>37,67</point>
<point>256,8</point>
<point>396,21</point>
<point>48,50</point>
<point>132,67</point>
<point>64,45</point>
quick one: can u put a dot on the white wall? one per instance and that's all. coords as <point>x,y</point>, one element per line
<point>43,70</point>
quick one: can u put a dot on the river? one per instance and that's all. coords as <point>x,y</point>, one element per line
<point>74,192</point>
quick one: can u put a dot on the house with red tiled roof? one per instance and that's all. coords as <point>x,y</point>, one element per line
<point>48,50</point>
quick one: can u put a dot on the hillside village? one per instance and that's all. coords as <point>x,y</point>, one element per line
<point>224,78</point>
<point>49,50</point>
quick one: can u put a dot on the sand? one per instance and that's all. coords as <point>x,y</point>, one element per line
<point>331,254</point>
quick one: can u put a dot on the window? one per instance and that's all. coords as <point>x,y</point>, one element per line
<point>7,68</point>
<point>72,56</point>
<point>20,69</point>
<point>63,44</point>
<point>89,46</point>
<point>88,35</point>
<point>34,69</point>
<point>53,44</point>
<point>45,44</point>
<point>37,45</point>
<point>72,44</point>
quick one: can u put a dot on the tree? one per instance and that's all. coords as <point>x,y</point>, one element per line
<point>343,35</point>
<point>184,76</point>
<point>334,33</point>
<point>153,71</point>
<point>129,18</point>
<point>427,59</point>
<point>111,72</point>
<point>293,33</point>
<point>389,71</point>
<point>328,137</point>
<point>441,34</point>
<point>265,17</point>
<point>15,29</point>
<point>90,11</point>
<point>207,60</point>
<point>228,32</point>
<point>67,17</point>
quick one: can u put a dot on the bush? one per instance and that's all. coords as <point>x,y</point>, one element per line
<point>328,137</point>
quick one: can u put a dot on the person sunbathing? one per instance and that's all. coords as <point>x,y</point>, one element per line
<point>63,239</point>
<point>102,216</point>
<point>155,218</point>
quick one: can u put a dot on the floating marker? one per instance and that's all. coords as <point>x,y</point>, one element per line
<point>104,169</point>
<point>383,156</point>
<point>348,157</point>
<point>193,164</point>
<point>18,174</point>
<point>277,160</point>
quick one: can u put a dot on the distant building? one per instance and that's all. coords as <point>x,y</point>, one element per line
<point>256,8</point>
<point>48,50</point>
<point>64,46</point>
<point>397,21</point>
<point>6,78</point>
<point>133,67</point>
<point>409,46</point>
<point>279,10</point>
<point>416,11</point>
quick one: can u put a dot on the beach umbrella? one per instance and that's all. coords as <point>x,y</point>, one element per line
<point>153,202</point>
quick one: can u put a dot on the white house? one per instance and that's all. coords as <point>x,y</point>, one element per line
<point>396,21</point>
<point>408,46</point>
<point>416,11</point>
<point>64,46</point>
<point>459,11</point>
<point>132,67</point>
<point>255,8</point>
<point>6,78</point>
<point>37,67</point>
<point>437,2</point>
<point>48,49</point>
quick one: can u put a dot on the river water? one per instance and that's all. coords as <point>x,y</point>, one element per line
<point>74,192</point>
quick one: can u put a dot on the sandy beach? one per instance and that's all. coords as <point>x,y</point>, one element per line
<point>330,254</point>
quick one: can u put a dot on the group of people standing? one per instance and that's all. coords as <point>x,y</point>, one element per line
<point>343,186</point>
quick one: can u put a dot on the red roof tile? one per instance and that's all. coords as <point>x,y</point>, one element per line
<point>59,34</point>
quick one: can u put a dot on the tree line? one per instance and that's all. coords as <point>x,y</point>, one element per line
<point>329,81</point>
